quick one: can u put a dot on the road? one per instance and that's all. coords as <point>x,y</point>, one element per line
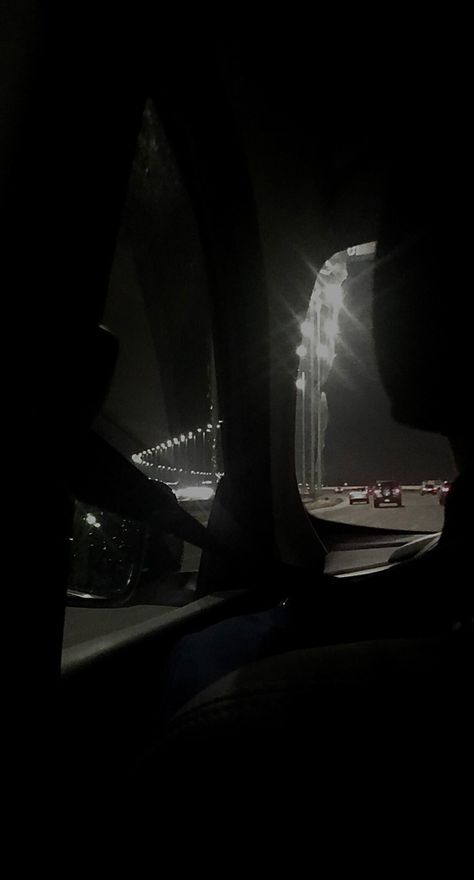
<point>418,513</point>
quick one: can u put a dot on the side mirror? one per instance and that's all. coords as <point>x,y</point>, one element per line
<point>107,555</point>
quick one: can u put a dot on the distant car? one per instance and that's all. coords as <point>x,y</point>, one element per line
<point>387,492</point>
<point>338,489</point>
<point>428,487</point>
<point>443,492</point>
<point>359,494</point>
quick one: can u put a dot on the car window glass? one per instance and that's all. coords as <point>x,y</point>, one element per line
<point>344,432</point>
<point>161,410</point>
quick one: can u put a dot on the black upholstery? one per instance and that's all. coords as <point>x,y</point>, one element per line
<point>337,714</point>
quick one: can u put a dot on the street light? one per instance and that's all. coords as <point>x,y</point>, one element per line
<point>183,439</point>
<point>310,328</point>
<point>203,433</point>
<point>301,384</point>
<point>319,465</point>
<point>319,331</point>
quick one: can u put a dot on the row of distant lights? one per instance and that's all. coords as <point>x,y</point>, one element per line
<point>217,475</point>
<point>137,457</point>
<point>168,468</point>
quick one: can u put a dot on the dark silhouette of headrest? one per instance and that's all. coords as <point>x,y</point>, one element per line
<point>421,310</point>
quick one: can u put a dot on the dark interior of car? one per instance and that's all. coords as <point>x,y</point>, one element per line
<point>285,138</point>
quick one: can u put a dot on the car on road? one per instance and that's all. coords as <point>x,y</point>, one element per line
<point>360,494</point>
<point>387,492</point>
<point>443,491</point>
<point>428,487</point>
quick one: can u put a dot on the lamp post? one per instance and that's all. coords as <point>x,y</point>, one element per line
<point>328,295</point>
<point>175,452</point>
<point>300,384</point>
<point>311,330</point>
<point>312,389</point>
<point>189,456</point>
<point>212,430</point>
<point>308,329</point>
<point>319,465</point>
<point>183,460</point>
<point>203,433</point>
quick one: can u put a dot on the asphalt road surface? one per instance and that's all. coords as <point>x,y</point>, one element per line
<point>418,513</point>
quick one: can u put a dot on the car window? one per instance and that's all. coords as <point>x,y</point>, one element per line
<point>161,410</point>
<point>161,413</point>
<point>344,432</point>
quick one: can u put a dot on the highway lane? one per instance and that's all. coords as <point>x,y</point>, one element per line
<point>418,513</point>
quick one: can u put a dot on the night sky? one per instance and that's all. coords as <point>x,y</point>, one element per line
<point>363,442</point>
<point>158,309</point>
